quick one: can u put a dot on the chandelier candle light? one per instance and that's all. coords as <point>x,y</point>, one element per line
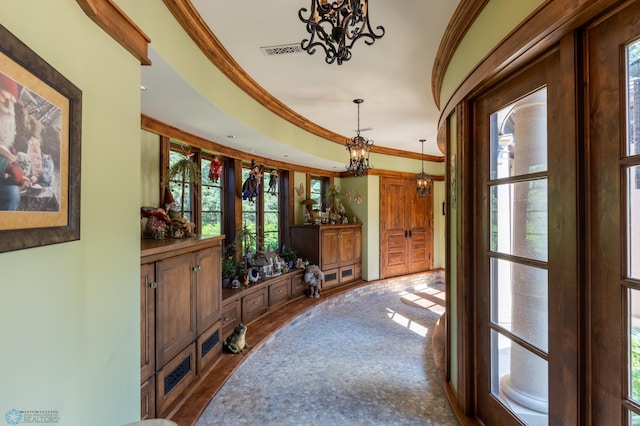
<point>335,26</point>
<point>422,179</point>
<point>359,149</point>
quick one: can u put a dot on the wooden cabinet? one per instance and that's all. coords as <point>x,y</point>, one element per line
<point>406,228</point>
<point>248,304</point>
<point>180,318</point>
<point>336,249</point>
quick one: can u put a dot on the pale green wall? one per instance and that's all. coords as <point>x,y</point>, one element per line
<point>495,22</point>
<point>149,169</point>
<point>70,312</point>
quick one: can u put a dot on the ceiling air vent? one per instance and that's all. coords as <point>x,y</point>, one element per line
<point>283,49</point>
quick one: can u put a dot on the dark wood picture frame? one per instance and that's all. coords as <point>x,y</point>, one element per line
<point>34,226</point>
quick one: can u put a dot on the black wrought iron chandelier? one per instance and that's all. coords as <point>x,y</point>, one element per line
<point>335,25</point>
<point>423,180</point>
<point>359,149</point>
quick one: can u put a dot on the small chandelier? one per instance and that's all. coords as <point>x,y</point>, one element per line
<point>337,24</point>
<point>359,149</point>
<point>423,180</point>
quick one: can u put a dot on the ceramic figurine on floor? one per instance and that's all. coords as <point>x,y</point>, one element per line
<point>236,342</point>
<point>313,277</point>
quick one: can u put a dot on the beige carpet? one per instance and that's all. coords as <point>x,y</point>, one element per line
<point>430,298</point>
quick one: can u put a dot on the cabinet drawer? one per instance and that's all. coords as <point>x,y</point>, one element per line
<point>209,347</point>
<point>254,305</point>
<point>298,287</point>
<point>347,274</point>
<point>174,379</point>
<point>230,317</point>
<point>279,292</point>
<point>331,278</point>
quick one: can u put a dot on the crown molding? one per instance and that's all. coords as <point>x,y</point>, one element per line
<point>108,16</point>
<point>462,19</point>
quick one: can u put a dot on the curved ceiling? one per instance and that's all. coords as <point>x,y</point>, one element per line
<point>393,75</point>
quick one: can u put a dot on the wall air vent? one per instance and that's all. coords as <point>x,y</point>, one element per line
<point>283,49</point>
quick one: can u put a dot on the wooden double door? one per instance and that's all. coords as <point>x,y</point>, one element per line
<point>406,228</point>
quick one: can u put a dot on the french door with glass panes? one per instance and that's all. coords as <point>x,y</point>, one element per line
<point>613,217</point>
<point>526,267</point>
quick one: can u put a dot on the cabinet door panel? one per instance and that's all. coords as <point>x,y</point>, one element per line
<point>357,245</point>
<point>147,321</point>
<point>209,288</point>
<point>346,241</point>
<point>175,307</point>
<point>330,249</point>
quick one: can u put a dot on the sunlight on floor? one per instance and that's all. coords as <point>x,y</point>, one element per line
<point>406,322</point>
<point>426,298</point>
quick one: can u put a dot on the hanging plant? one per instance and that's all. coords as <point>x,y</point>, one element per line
<point>185,171</point>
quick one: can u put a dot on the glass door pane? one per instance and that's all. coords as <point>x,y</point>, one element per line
<point>518,215</point>
<point>631,230</point>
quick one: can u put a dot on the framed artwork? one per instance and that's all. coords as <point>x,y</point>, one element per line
<point>40,138</point>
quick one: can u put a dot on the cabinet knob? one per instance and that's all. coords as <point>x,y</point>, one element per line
<point>196,268</point>
<point>153,284</point>
<point>255,302</point>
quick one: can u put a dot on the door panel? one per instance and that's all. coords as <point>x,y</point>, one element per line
<point>526,301</point>
<point>614,193</point>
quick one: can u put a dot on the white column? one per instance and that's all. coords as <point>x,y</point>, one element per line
<point>526,386</point>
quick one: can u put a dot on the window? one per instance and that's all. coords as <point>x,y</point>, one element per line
<point>318,186</point>
<point>211,214</point>
<point>271,215</point>
<point>201,204</point>
<point>316,191</point>
<point>249,218</point>
<point>179,184</point>
<point>261,213</point>
<point>210,203</point>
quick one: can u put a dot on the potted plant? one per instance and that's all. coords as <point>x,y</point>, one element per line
<point>245,239</point>
<point>289,255</point>
<point>242,273</point>
<point>229,268</point>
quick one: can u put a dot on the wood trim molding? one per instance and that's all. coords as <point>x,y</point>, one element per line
<point>390,173</point>
<point>539,32</point>
<point>159,128</point>
<point>462,19</point>
<point>108,16</point>
<point>187,16</point>
<point>162,129</point>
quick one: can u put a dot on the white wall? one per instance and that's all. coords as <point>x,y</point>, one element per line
<point>70,312</point>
